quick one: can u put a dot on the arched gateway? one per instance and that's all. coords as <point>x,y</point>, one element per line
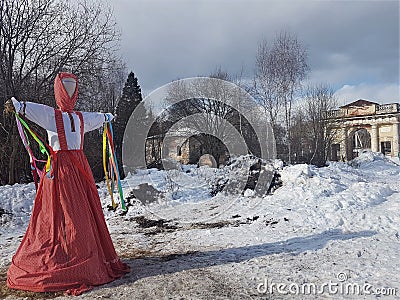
<point>360,140</point>
<point>364,125</point>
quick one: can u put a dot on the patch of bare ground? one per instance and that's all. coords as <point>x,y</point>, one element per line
<point>152,227</point>
<point>146,254</point>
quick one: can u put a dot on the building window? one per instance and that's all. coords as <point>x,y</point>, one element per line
<point>386,148</point>
<point>178,151</point>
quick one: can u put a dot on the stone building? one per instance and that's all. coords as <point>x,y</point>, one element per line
<point>176,147</point>
<point>181,145</point>
<point>364,125</point>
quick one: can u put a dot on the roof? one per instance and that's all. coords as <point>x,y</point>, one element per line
<point>360,102</point>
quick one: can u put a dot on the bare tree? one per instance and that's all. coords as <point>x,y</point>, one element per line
<point>302,137</point>
<point>264,83</point>
<point>320,99</point>
<point>280,69</point>
<point>311,131</point>
<point>212,108</point>
<point>40,38</point>
<point>208,110</point>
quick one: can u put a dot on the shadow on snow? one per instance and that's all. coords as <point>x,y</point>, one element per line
<point>153,265</point>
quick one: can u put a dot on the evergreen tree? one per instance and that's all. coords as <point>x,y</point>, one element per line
<point>131,96</point>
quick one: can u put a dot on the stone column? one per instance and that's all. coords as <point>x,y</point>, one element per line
<point>395,130</point>
<point>374,138</point>
<point>343,144</point>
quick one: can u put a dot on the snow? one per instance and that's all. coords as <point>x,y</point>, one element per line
<point>340,222</point>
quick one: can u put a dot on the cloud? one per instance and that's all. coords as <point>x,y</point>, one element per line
<point>381,93</point>
<point>349,42</point>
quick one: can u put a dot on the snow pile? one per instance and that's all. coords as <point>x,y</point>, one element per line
<point>341,219</point>
<point>190,183</point>
<point>373,159</point>
<point>247,175</point>
<point>297,174</point>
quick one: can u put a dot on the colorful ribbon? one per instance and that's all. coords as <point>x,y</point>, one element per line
<point>110,161</point>
<point>22,128</point>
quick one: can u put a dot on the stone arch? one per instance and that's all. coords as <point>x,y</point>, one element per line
<point>359,140</point>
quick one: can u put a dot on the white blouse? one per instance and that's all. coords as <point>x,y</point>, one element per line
<point>44,116</point>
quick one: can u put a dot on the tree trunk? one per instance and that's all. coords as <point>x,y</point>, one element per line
<point>12,160</point>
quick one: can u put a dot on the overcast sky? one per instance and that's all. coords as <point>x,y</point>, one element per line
<point>352,45</point>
